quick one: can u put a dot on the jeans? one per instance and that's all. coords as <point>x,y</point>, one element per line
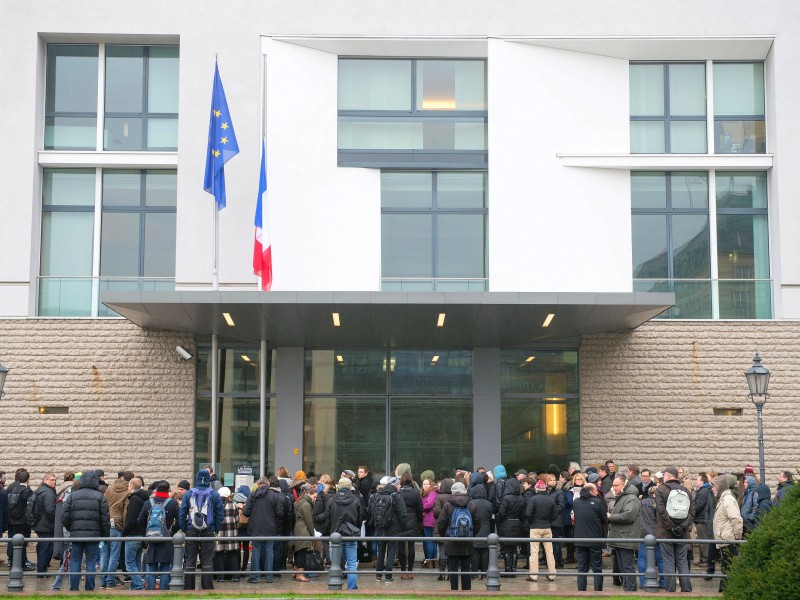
<point>387,551</point>
<point>44,551</point>
<point>277,556</point>
<point>586,555</point>
<point>406,553</point>
<point>429,548</point>
<point>465,563</point>
<point>643,563</point>
<point>163,578</point>
<point>676,559</point>
<point>350,553</point>
<point>63,568</point>
<point>627,564</point>
<point>262,559</point>
<point>79,549</point>
<point>206,552</point>
<point>558,532</point>
<point>133,563</point>
<point>109,558</point>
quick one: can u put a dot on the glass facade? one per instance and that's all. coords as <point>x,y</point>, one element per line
<point>238,410</point>
<point>433,231</point>
<point>672,243</point>
<point>739,126</point>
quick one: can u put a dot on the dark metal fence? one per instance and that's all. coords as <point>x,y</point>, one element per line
<point>337,575</point>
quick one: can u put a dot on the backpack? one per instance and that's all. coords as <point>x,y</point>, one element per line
<point>199,517</point>
<point>460,522</point>
<point>382,510</point>
<point>157,523</point>
<point>32,512</point>
<point>17,505</point>
<point>678,503</point>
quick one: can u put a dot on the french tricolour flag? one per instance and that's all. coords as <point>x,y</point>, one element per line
<point>262,248</point>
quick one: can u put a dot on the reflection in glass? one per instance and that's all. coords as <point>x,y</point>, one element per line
<point>119,244</point>
<point>648,190</point>
<point>650,260</point>
<point>68,187</point>
<point>431,433</point>
<point>374,84</point>
<point>123,133</point>
<point>237,375</point>
<point>741,189</point>
<point>451,85</point>
<point>529,371</point>
<point>345,371</point>
<point>691,254</point>
<point>342,433</point>
<point>538,432</point>
<point>743,246</point>
<point>745,299</point>
<point>689,190</point>
<point>740,137</point>
<point>430,372</point>
<point>406,245</point>
<point>460,241</point>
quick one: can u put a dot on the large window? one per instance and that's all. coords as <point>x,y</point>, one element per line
<point>382,408</point>
<point>668,108</point>
<point>238,411</point>
<point>710,249</point>
<point>433,231</point>
<point>412,106</point>
<point>136,109</point>
<point>136,249</point>
<point>540,423</point>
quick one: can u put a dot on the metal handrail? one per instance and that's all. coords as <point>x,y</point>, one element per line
<point>335,572</point>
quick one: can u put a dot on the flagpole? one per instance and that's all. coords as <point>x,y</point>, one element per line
<point>215,268</point>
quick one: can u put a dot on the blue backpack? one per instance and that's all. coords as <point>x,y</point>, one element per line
<point>460,522</point>
<point>157,523</point>
<point>201,515</point>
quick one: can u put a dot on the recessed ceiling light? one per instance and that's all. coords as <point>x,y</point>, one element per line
<point>339,358</point>
<point>548,320</point>
<point>336,321</point>
<point>440,322</point>
<point>529,359</point>
<point>435,359</point>
<point>245,358</point>
<point>228,319</point>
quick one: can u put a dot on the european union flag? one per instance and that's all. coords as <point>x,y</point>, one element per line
<point>222,144</point>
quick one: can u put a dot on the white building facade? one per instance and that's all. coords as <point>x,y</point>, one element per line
<point>602,163</point>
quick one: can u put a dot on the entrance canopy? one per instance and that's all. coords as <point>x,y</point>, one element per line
<point>389,319</point>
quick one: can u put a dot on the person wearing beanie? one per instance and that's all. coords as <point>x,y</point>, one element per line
<point>413,501</point>
<point>226,553</point>
<point>498,489</point>
<point>387,513</point>
<point>727,523</point>
<point>675,556</point>
<point>194,525</point>
<point>428,492</point>
<point>344,515</point>
<point>624,521</point>
<point>510,523</point>
<point>459,554</point>
<point>592,478</point>
<point>303,527</point>
<point>158,558</point>
<point>540,512</point>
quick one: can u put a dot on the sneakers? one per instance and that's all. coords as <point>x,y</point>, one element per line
<point>378,578</point>
<point>389,580</point>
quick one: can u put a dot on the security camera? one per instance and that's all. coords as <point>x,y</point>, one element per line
<point>182,351</point>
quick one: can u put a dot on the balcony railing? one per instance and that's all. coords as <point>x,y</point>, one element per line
<point>434,284</point>
<point>713,298</point>
<point>80,296</point>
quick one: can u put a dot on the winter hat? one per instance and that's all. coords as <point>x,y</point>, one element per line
<point>748,470</point>
<point>184,484</point>
<point>244,490</point>
<point>458,488</point>
<point>590,470</point>
<point>402,468</point>
<point>521,472</point>
<point>224,492</point>
<point>300,476</point>
<point>476,479</point>
<point>592,477</point>
<point>349,473</point>
<point>429,475</point>
<point>239,498</point>
<point>462,468</point>
<point>499,472</point>
<point>721,482</point>
<point>345,483</point>
<point>203,478</point>
<point>541,486</point>
<point>393,481</point>
<point>573,466</point>
<point>385,480</point>
<point>672,471</point>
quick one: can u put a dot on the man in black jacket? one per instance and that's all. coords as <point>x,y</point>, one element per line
<point>344,514</point>
<point>43,520</point>
<point>261,508</point>
<point>675,555</point>
<point>590,516</point>
<point>133,550</point>
<point>703,515</point>
<point>540,512</point>
<point>86,515</point>
<point>18,494</point>
<point>387,513</point>
<point>459,554</point>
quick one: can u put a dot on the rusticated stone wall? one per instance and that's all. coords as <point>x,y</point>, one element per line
<point>130,398</point>
<point>648,396</point>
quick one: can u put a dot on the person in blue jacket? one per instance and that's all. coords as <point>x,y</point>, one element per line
<point>195,524</point>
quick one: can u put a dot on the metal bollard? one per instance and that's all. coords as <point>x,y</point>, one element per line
<point>651,572</point>
<point>15,583</point>
<point>176,574</point>
<point>335,572</point>
<point>493,572</point>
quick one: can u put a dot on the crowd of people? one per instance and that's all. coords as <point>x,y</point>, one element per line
<point>601,508</point>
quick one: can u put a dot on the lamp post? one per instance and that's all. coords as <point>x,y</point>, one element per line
<point>3,373</point>
<point>758,380</point>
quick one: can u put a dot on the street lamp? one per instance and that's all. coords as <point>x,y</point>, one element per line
<point>758,380</point>
<point>3,373</point>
